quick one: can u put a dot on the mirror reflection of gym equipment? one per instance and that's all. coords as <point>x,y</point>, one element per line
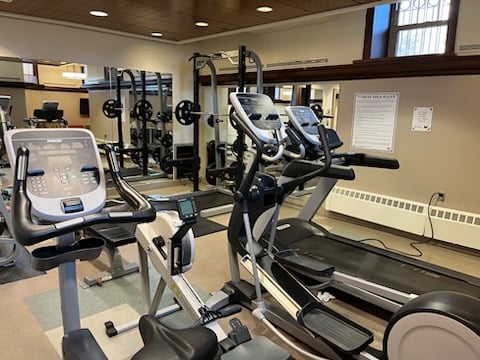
<point>403,185</point>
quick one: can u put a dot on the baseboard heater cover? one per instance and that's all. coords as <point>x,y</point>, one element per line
<point>449,225</point>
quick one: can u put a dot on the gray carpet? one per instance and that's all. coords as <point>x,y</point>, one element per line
<point>22,268</point>
<point>46,306</point>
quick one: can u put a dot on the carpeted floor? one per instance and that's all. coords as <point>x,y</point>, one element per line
<point>95,299</point>
<point>20,270</point>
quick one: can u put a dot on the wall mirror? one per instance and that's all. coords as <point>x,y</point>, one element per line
<point>81,91</point>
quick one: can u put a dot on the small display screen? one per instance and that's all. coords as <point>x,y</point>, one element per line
<point>261,110</point>
<point>307,120</point>
<point>60,167</point>
<point>186,208</point>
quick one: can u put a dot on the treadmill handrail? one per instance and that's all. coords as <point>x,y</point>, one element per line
<point>362,159</point>
<point>28,232</point>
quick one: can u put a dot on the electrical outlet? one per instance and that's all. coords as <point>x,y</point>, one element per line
<point>441,196</point>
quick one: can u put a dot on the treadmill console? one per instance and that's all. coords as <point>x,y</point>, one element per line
<point>65,174</point>
<point>304,120</point>
<point>258,112</point>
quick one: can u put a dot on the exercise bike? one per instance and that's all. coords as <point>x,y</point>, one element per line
<point>436,325</point>
<point>59,188</point>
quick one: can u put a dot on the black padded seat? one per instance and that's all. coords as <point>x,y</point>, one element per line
<point>175,344</point>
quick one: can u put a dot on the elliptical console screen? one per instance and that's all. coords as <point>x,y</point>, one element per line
<point>260,110</point>
<point>59,167</point>
<point>306,118</point>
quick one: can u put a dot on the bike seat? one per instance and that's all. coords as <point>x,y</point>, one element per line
<point>175,344</point>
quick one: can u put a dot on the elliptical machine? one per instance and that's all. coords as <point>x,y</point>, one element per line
<point>437,325</point>
<point>59,188</point>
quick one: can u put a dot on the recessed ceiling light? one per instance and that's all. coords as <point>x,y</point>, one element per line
<point>264,9</point>
<point>98,13</point>
<point>157,34</point>
<point>201,23</point>
<point>7,1</point>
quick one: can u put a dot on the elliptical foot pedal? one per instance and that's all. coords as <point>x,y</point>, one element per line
<point>335,329</point>
<point>303,263</point>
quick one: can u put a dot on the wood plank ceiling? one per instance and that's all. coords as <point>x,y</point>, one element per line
<point>175,19</point>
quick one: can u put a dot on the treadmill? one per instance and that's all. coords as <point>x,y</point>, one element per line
<point>375,275</point>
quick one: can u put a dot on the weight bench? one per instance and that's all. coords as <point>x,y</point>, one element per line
<point>115,235</point>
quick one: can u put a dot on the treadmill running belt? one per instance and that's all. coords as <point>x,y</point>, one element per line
<point>374,267</point>
<point>381,270</point>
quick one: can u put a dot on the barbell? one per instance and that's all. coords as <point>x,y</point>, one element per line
<point>187,112</point>
<point>142,110</point>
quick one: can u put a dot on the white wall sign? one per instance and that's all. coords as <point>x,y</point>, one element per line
<point>422,118</point>
<point>374,120</point>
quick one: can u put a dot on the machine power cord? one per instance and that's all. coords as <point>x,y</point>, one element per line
<point>418,253</point>
<point>413,244</point>
<point>437,195</point>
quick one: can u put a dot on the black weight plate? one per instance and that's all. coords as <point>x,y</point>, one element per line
<point>165,164</point>
<point>111,108</point>
<point>133,136</point>
<point>230,176</point>
<point>212,180</point>
<point>165,116</point>
<point>183,112</point>
<point>137,157</point>
<point>157,134</point>
<point>237,146</point>
<point>211,121</point>
<point>167,140</point>
<point>143,110</point>
<point>317,109</point>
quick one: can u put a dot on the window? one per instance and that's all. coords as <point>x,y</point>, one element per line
<point>411,27</point>
<point>419,27</point>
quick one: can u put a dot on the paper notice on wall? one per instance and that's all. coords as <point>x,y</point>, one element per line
<point>422,118</point>
<point>374,120</point>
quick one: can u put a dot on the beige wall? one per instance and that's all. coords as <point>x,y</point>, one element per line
<point>338,38</point>
<point>468,28</point>
<point>444,159</point>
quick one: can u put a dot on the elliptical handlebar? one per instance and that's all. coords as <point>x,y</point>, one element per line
<point>327,162</point>
<point>295,139</point>
<point>28,232</point>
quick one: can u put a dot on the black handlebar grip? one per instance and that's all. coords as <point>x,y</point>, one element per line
<point>27,232</point>
<point>361,159</point>
<point>143,210</point>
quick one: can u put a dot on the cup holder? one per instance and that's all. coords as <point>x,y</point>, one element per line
<point>49,257</point>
